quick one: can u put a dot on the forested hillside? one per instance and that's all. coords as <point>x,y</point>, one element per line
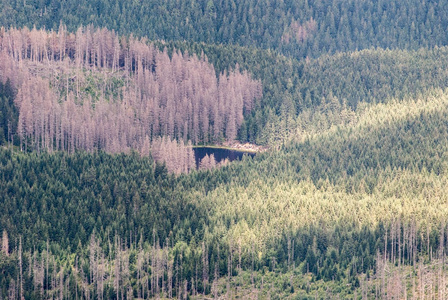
<point>298,28</point>
<point>97,66</point>
<point>102,102</point>
<point>333,206</point>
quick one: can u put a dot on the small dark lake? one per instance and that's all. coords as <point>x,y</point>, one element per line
<point>220,154</point>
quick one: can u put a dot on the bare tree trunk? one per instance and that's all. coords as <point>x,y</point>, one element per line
<point>21,268</point>
<point>204,266</point>
<point>5,242</point>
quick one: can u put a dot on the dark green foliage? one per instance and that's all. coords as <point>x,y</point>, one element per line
<point>404,146</point>
<point>9,114</point>
<point>122,195</point>
<point>335,25</point>
<point>67,197</point>
<point>365,76</point>
<point>372,76</point>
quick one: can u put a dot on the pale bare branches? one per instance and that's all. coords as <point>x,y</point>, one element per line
<point>93,90</point>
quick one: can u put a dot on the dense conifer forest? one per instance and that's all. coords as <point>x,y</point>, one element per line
<point>102,102</point>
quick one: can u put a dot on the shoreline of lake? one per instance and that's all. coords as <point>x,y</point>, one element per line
<point>247,148</point>
<point>220,153</point>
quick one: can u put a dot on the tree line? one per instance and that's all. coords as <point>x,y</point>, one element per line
<point>296,28</point>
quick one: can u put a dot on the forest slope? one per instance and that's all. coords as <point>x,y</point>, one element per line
<point>298,28</point>
<point>389,161</point>
<point>335,199</point>
<point>99,198</point>
<point>272,88</point>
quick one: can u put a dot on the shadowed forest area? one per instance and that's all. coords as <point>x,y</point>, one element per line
<point>101,103</point>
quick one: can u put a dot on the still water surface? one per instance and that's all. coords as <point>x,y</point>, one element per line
<point>220,154</point>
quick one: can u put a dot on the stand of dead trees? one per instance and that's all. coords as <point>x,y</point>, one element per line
<point>94,90</point>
